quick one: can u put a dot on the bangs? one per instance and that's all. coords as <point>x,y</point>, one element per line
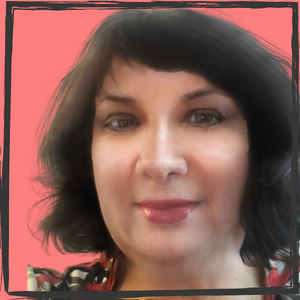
<point>173,40</point>
<point>224,54</point>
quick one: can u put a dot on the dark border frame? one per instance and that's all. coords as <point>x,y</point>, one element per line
<point>11,6</point>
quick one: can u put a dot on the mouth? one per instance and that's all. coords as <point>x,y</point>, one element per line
<point>167,211</point>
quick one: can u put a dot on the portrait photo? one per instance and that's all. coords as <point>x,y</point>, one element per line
<point>153,148</point>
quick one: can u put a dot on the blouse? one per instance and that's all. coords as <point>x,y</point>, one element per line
<point>101,274</point>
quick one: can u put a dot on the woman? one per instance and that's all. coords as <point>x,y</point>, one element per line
<point>169,154</point>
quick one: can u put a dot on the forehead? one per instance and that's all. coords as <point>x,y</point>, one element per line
<point>136,84</point>
<point>133,76</point>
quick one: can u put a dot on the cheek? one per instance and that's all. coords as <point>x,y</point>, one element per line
<point>229,159</point>
<point>112,172</point>
<point>113,165</point>
<point>223,162</point>
<point>104,159</point>
<point>227,152</point>
<point>223,166</point>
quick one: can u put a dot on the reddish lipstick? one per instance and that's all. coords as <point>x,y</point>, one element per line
<point>167,211</point>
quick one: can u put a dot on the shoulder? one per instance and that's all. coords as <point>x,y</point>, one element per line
<point>98,275</point>
<point>281,275</point>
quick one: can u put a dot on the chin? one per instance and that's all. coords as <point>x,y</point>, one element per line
<point>170,254</point>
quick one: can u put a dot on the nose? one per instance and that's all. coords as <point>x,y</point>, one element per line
<point>160,155</point>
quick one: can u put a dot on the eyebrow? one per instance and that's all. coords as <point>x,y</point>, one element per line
<point>199,93</point>
<point>115,98</point>
<point>184,98</point>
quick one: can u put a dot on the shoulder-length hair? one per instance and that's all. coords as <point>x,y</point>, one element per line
<point>175,39</point>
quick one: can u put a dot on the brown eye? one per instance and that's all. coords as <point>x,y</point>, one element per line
<point>204,119</point>
<point>120,123</point>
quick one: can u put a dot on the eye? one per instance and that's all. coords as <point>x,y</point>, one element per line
<point>203,118</point>
<point>119,123</point>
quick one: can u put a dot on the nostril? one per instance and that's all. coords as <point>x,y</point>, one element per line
<point>163,169</point>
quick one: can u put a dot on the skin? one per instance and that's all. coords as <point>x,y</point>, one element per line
<point>172,135</point>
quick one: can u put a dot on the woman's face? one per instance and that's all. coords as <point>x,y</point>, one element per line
<point>170,155</point>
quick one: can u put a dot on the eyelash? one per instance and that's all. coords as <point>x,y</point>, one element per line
<point>215,119</point>
<point>116,118</point>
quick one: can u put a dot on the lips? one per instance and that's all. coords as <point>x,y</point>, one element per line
<point>167,211</point>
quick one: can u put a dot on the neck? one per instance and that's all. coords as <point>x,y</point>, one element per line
<point>221,268</point>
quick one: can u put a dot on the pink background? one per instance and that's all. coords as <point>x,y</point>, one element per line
<point>45,45</point>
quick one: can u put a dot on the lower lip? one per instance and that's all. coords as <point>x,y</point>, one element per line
<point>168,215</point>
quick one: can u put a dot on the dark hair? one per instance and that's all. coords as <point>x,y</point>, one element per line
<point>175,39</point>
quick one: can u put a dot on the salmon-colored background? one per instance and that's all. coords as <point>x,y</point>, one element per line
<point>45,45</point>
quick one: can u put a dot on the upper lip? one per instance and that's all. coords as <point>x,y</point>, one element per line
<point>166,203</point>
